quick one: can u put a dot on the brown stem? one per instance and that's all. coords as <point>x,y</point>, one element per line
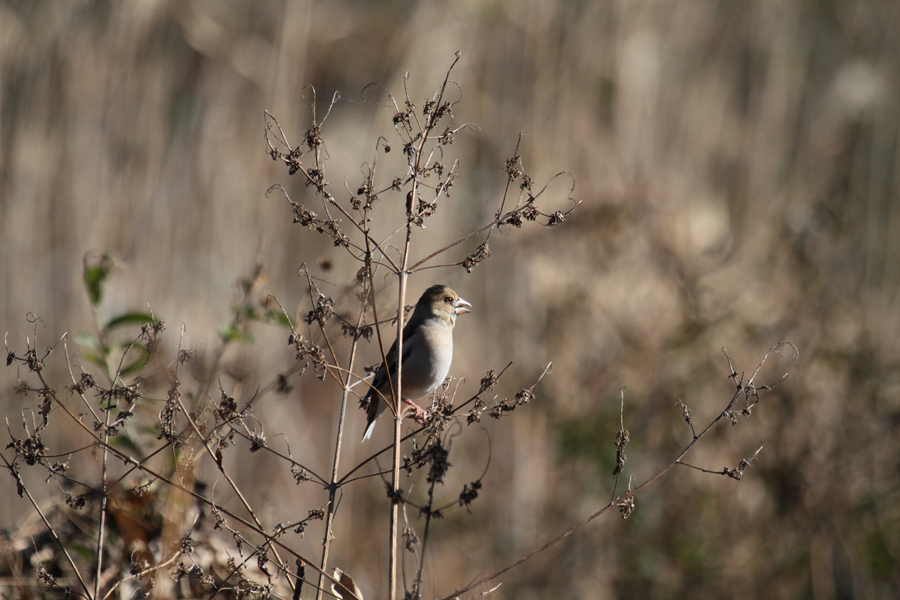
<point>49,527</point>
<point>398,417</point>
<point>228,477</point>
<point>332,486</point>
<point>175,485</point>
<point>103,480</point>
<point>741,391</point>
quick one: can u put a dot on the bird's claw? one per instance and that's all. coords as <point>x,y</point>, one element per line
<point>417,413</point>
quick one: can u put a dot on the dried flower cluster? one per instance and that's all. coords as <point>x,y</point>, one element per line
<point>138,405</point>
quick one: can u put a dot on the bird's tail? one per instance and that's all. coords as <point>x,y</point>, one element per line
<point>369,429</point>
<point>376,407</point>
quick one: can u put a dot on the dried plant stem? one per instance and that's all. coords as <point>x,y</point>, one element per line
<point>24,490</point>
<point>228,478</point>
<point>398,415</point>
<point>535,552</point>
<point>103,480</point>
<point>742,390</point>
<point>72,377</point>
<point>148,571</point>
<point>687,449</point>
<point>395,505</point>
<point>128,459</point>
<point>431,122</point>
<point>417,584</point>
<point>333,485</point>
<point>415,432</point>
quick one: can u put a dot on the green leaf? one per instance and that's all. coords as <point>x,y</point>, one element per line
<point>125,442</point>
<point>229,333</point>
<point>138,363</point>
<point>87,340</point>
<point>132,318</point>
<point>95,358</point>
<point>83,551</point>
<point>94,276</point>
<point>149,429</point>
<point>279,318</point>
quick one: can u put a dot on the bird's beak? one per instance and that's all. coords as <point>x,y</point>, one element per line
<point>461,307</point>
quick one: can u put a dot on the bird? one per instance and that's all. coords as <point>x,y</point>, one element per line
<point>427,353</point>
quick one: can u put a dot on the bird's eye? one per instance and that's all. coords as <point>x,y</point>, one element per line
<point>448,299</point>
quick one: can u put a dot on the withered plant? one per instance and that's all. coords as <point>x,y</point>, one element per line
<point>146,524</point>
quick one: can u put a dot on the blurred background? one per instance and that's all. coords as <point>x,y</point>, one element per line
<point>739,169</point>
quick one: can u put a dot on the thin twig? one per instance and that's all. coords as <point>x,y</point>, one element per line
<point>398,417</point>
<point>21,485</point>
<point>415,432</point>
<point>126,458</point>
<point>742,390</point>
<point>332,486</point>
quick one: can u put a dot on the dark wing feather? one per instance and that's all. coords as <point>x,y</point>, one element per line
<point>380,381</point>
<point>381,376</point>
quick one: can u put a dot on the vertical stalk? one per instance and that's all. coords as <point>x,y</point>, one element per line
<point>430,123</point>
<point>332,486</point>
<point>398,416</point>
<point>103,483</point>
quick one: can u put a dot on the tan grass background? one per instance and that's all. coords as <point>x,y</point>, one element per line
<point>738,166</point>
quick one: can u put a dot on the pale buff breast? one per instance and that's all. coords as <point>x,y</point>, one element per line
<point>426,369</point>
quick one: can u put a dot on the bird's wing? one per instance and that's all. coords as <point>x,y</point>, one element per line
<point>379,382</point>
<point>379,386</point>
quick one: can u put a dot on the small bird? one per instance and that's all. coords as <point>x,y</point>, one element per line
<point>427,353</point>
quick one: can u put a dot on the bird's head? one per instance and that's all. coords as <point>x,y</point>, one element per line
<point>439,300</point>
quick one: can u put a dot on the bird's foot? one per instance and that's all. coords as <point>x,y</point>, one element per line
<point>418,414</point>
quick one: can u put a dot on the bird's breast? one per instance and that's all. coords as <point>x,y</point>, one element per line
<point>429,360</point>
